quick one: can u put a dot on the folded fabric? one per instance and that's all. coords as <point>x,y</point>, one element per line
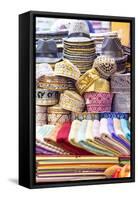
<point>62,139</point>
<point>124,125</point>
<point>51,147</point>
<point>40,150</point>
<point>93,148</point>
<point>116,133</point>
<point>106,137</point>
<point>42,131</point>
<point>52,137</point>
<point>73,131</point>
<point>90,138</point>
<point>96,137</point>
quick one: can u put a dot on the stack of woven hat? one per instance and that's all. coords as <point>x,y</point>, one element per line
<point>99,38</point>
<point>120,81</point>
<point>79,48</point>
<point>113,47</point>
<point>55,94</point>
<point>47,52</point>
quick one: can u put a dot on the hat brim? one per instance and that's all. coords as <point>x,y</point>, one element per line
<point>47,60</point>
<point>78,39</point>
<point>121,59</point>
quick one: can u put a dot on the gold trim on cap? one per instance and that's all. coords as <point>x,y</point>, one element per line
<point>86,80</point>
<point>67,69</point>
<point>70,100</point>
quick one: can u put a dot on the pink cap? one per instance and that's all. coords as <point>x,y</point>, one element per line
<point>98,102</point>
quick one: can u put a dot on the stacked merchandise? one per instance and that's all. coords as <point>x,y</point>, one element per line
<point>47,52</point>
<point>79,48</point>
<point>70,168</point>
<point>113,47</point>
<point>81,130</point>
<point>57,36</point>
<point>99,38</point>
<point>101,144</point>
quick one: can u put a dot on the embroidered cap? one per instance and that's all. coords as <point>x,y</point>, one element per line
<point>105,65</point>
<point>67,69</point>
<point>46,97</point>
<point>98,102</point>
<point>72,101</point>
<point>120,83</point>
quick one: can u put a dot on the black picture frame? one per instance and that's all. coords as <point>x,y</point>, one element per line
<point>27,98</point>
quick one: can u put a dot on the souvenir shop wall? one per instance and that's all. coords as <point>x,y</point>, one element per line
<point>83,70</point>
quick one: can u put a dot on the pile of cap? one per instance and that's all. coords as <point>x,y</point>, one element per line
<point>113,47</point>
<point>54,88</point>
<point>99,38</point>
<point>79,48</point>
<point>95,85</point>
<point>47,52</point>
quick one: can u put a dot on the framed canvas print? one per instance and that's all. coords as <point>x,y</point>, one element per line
<point>76,99</point>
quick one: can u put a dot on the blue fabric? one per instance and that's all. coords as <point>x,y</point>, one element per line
<point>125,129</point>
<point>114,136</point>
<point>114,114</point>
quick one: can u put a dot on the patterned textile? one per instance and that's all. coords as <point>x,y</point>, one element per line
<point>121,103</point>
<point>105,65</point>
<point>70,100</point>
<point>98,102</point>
<point>46,97</point>
<point>120,83</point>
<point>41,115</point>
